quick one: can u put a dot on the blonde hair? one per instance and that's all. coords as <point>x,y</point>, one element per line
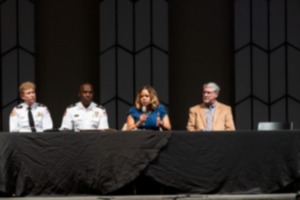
<point>154,102</point>
<point>25,86</point>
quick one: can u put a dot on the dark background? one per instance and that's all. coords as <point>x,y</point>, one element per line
<point>249,47</point>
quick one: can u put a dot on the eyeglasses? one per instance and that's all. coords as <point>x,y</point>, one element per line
<point>208,92</point>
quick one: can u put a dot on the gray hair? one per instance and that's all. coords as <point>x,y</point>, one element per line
<point>212,85</point>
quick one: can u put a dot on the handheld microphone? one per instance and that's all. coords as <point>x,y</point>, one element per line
<point>144,109</point>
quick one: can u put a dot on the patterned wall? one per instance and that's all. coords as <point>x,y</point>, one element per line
<point>267,62</point>
<point>17,51</point>
<point>133,52</point>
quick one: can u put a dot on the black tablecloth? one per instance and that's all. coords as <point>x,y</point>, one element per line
<point>102,162</point>
<point>72,163</point>
<point>239,162</point>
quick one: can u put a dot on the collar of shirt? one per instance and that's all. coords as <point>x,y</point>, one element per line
<point>211,107</point>
<point>33,106</point>
<point>91,106</point>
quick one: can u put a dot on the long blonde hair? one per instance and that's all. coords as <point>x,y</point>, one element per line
<point>154,102</point>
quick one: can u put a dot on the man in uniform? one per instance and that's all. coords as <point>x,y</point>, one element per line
<point>85,114</point>
<point>211,115</point>
<point>29,116</point>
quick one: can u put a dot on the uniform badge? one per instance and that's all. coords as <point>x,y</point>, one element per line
<point>38,114</point>
<point>76,115</point>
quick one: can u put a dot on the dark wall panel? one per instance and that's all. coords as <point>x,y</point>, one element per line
<point>201,50</point>
<point>133,52</point>
<point>17,46</point>
<point>67,51</point>
<point>267,53</point>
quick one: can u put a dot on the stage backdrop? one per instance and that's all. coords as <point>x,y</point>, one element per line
<point>133,52</point>
<point>17,46</point>
<point>250,47</point>
<point>267,60</point>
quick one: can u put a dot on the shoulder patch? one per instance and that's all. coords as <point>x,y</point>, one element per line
<point>13,113</point>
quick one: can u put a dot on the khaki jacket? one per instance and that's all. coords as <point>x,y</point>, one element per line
<point>223,119</point>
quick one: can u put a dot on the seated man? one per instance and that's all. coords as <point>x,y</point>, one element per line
<point>85,114</point>
<point>210,115</point>
<point>29,116</point>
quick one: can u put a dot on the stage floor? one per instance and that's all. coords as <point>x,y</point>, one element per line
<point>289,196</point>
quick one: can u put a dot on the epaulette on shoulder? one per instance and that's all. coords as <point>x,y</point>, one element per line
<point>100,106</point>
<point>71,106</point>
<point>41,105</point>
<point>19,106</point>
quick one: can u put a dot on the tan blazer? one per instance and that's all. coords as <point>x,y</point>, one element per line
<point>223,119</point>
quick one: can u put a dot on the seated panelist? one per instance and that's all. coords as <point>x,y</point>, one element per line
<point>29,116</point>
<point>147,112</point>
<point>85,114</point>
<point>210,115</point>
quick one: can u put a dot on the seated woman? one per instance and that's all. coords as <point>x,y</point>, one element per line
<point>148,113</point>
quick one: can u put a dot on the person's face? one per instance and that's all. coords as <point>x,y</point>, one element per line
<point>86,94</point>
<point>209,95</point>
<point>145,97</point>
<point>28,96</point>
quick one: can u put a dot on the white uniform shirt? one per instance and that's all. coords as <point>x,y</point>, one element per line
<point>77,117</point>
<point>19,122</point>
